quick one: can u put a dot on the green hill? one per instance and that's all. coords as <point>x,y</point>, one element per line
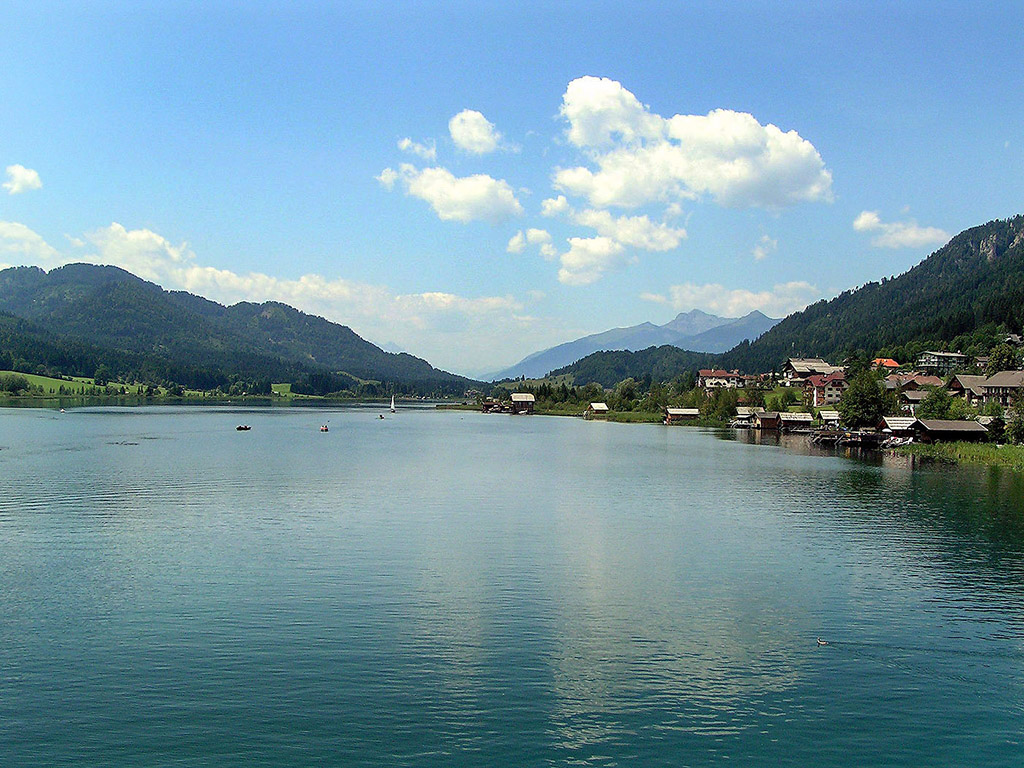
<point>962,296</point>
<point>108,315</point>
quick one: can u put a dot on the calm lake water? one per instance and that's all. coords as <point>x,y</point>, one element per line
<point>453,589</point>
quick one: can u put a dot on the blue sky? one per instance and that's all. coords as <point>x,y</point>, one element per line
<point>390,165</point>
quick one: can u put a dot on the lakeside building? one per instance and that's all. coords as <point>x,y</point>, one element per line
<point>767,421</point>
<point>797,370</point>
<point>676,415</point>
<point>822,390</point>
<point>829,418</point>
<point>944,430</point>
<point>596,411</point>
<point>911,398</point>
<point>523,402</point>
<point>789,422</point>
<point>745,415</point>
<point>897,426</point>
<point>942,362</point>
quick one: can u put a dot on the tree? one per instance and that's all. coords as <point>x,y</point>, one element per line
<point>864,401</point>
<point>1003,358</point>
<point>936,405</point>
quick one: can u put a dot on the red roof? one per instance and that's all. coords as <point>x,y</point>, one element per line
<point>885,362</point>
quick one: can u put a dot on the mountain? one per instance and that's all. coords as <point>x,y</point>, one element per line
<point>694,330</point>
<point>110,309</point>
<point>965,295</point>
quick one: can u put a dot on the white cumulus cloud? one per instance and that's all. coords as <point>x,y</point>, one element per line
<point>781,300</point>
<point>554,206</point>
<point>899,234</point>
<point>638,157</point>
<point>24,245</point>
<point>635,231</point>
<point>473,133</point>
<point>468,198</point>
<point>21,179</point>
<point>588,258</point>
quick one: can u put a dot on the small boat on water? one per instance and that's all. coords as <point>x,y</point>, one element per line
<point>393,404</point>
<point>323,428</point>
<point>242,428</point>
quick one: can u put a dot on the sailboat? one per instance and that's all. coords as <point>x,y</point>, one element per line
<point>392,403</point>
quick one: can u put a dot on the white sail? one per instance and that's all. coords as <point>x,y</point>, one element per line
<point>392,403</point>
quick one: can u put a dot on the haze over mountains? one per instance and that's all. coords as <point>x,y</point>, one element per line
<point>695,331</point>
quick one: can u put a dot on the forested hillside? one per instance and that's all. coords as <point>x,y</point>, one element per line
<point>963,296</point>
<point>81,316</point>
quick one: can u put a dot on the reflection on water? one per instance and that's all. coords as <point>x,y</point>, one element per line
<point>460,589</point>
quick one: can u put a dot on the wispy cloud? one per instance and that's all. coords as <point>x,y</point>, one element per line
<point>781,300</point>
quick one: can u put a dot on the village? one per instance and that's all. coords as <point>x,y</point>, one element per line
<point>940,397</point>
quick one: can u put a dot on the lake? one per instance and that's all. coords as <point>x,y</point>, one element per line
<point>455,589</point>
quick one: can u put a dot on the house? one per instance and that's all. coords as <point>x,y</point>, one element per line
<point>1003,387</point>
<point>492,406</point>
<point>522,402</point>
<point>946,430</point>
<point>827,389</point>
<point>676,415</point>
<point>797,369</point>
<point>789,422</point>
<point>767,420</point>
<point>596,411</point>
<point>829,419</point>
<point>884,363</point>
<point>968,386</point>
<point>904,381</point>
<point>708,378</point>
<point>911,398</point>
<point>745,415</point>
<point>897,426</point>
<point>941,362</point>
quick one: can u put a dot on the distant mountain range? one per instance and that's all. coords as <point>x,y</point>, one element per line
<point>695,331</point>
<point>965,296</point>
<point>104,315</point>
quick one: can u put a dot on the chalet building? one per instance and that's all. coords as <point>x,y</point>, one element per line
<point>596,411</point>
<point>797,370</point>
<point>677,415</point>
<point>942,363</point>
<point>968,386</point>
<point>1003,387</point>
<point>909,381</point>
<point>822,390</point>
<point>943,430</point>
<point>708,378</point>
<point>767,421</point>
<point>523,402</point>
<point>789,422</point>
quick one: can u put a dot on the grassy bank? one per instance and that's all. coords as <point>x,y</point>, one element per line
<point>990,454</point>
